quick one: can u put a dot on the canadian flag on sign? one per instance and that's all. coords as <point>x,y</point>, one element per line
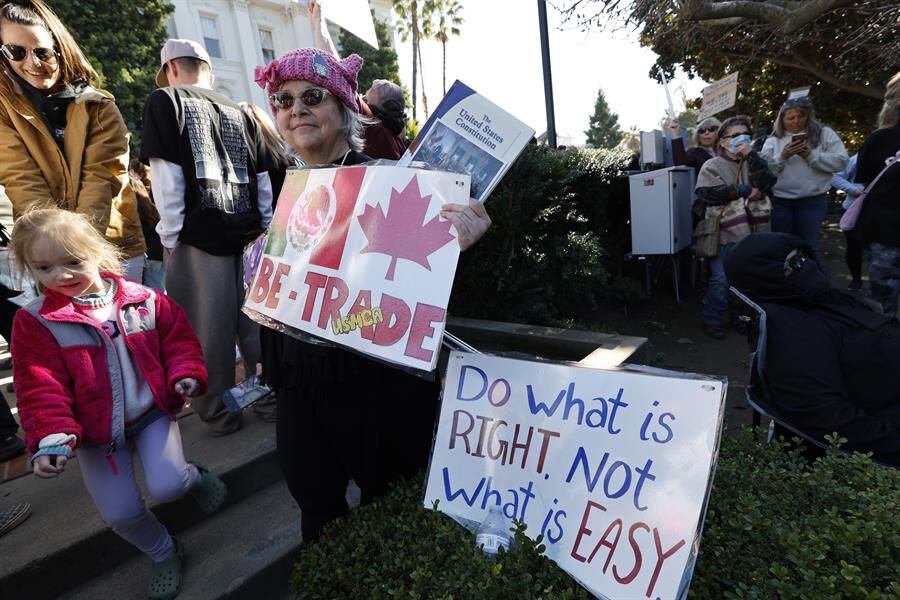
<point>360,256</point>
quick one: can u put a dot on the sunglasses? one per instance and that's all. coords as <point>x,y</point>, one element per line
<point>310,97</point>
<point>17,53</point>
<point>794,262</point>
<point>707,130</point>
<point>734,135</point>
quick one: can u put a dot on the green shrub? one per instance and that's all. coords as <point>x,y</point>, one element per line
<point>558,242</point>
<point>778,526</point>
<point>395,548</point>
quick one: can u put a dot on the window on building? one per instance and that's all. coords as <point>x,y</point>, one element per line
<point>211,36</point>
<point>268,45</point>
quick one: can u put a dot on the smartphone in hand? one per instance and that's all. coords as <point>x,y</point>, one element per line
<point>798,138</point>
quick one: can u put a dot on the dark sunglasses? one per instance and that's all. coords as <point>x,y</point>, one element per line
<point>794,262</point>
<point>17,53</point>
<point>707,130</point>
<point>310,97</point>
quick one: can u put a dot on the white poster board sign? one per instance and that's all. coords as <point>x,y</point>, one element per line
<point>353,15</point>
<point>613,468</point>
<point>360,257</point>
<point>718,96</point>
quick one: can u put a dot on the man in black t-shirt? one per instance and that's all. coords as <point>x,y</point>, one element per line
<point>209,171</point>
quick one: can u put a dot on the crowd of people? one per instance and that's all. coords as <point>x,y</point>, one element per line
<point>139,267</point>
<point>137,270</point>
<point>827,360</point>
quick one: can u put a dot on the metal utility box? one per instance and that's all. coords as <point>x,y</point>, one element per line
<point>652,148</point>
<point>661,210</point>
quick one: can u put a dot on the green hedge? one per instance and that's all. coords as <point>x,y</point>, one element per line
<point>778,526</point>
<point>558,241</point>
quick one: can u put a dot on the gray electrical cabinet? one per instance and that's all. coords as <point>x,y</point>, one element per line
<point>661,210</point>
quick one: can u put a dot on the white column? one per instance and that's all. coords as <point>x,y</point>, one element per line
<point>299,17</point>
<point>185,24</point>
<point>251,55</point>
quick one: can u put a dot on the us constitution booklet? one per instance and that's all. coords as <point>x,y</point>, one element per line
<point>469,134</point>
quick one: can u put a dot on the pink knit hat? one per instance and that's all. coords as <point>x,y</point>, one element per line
<point>315,66</point>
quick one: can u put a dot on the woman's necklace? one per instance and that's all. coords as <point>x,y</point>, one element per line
<point>346,154</point>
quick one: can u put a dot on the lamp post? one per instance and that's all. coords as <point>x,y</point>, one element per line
<point>548,81</point>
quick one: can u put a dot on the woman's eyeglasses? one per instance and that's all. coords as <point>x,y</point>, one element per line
<point>734,135</point>
<point>310,97</point>
<point>18,53</point>
<point>707,130</point>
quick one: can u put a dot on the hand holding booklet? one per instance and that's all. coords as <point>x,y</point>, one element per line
<point>468,134</point>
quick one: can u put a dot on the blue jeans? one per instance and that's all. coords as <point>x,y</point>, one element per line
<point>715,303</point>
<point>155,274</point>
<point>801,217</point>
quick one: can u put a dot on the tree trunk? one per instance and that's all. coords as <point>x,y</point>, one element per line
<point>415,48</point>
<point>422,75</point>
<point>444,47</point>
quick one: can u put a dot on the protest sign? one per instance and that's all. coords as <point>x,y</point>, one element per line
<point>353,15</point>
<point>613,468</point>
<point>718,96</point>
<point>361,257</point>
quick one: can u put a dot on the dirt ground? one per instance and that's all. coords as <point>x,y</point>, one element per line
<point>676,339</point>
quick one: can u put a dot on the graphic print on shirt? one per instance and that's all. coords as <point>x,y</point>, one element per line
<point>221,168</point>
<point>137,318</point>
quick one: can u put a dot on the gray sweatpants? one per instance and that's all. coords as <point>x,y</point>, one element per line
<point>210,290</point>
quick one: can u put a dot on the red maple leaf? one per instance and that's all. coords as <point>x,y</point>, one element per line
<point>400,233</point>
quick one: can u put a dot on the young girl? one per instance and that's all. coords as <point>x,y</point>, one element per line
<point>103,364</point>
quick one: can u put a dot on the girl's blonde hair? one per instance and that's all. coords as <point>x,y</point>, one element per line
<point>271,138</point>
<point>890,111</point>
<point>72,231</point>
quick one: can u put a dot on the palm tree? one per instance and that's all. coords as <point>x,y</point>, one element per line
<point>409,13</point>
<point>445,21</point>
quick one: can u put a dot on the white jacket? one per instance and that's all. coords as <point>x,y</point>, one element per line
<point>800,177</point>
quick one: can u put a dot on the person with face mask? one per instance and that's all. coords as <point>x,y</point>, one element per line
<point>830,362</point>
<point>732,187</point>
<point>804,154</point>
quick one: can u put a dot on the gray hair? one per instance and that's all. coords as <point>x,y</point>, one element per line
<point>707,122</point>
<point>353,124</point>
<point>813,126</point>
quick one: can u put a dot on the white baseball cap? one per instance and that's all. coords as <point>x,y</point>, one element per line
<point>175,48</point>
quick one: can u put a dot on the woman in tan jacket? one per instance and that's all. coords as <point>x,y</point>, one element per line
<point>65,143</point>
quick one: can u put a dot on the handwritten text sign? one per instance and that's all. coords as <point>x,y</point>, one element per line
<point>360,256</point>
<point>612,467</point>
<point>718,96</point>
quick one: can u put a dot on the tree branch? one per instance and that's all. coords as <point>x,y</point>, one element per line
<point>797,61</point>
<point>773,12</point>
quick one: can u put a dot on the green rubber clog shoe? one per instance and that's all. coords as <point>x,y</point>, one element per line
<point>165,576</point>
<point>211,492</point>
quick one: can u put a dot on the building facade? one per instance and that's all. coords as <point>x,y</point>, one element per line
<point>241,34</point>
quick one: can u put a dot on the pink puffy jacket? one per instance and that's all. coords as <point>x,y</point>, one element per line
<point>67,374</point>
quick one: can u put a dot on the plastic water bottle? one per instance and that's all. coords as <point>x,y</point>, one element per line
<point>493,532</point>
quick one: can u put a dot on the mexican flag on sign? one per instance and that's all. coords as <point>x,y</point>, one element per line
<point>361,257</point>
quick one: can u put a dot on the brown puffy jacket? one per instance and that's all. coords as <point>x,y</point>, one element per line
<point>89,177</point>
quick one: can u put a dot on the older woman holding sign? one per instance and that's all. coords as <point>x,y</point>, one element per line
<point>341,415</point>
